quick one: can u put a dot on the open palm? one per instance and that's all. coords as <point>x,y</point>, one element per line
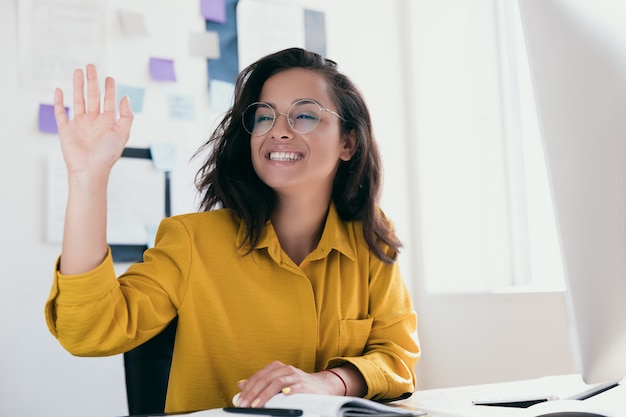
<point>95,138</point>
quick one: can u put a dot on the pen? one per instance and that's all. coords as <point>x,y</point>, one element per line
<point>277,412</point>
<point>515,402</point>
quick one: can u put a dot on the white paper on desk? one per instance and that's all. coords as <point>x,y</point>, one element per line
<point>136,200</point>
<point>318,405</point>
<point>457,401</point>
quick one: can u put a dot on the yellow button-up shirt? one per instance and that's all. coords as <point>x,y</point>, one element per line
<point>239,311</point>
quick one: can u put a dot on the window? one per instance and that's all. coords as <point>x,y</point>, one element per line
<point>485,208</point>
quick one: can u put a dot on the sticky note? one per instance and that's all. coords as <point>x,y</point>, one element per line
<point>47,122</point>
<point>315,31</point>
<point>204,44</point>
<point>221,94</point>
<point>133,23</point>
<point>181,107</point>
<point>164,155</point>
<point>213,10</point>
<point>135,94</point>
<point>162,69</point>
<point>151,232</point>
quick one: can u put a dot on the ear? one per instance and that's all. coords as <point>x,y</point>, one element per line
<point>349,145</point>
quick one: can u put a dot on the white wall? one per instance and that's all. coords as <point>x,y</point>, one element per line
<point>462,344</point>
<point>472,338</point>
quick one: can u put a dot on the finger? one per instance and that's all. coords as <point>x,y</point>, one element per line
<point>265,384</point>
<point>79,92</point>
<point>126,118</point>
<point>93,90</point>
<point>248,396</point>
<point>59,108</point>
<point>109,95</point>
<point>274,387</point>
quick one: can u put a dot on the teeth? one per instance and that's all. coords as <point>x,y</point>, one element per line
<point>284,156</point>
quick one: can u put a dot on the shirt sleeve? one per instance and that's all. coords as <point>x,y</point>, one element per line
<point>392,350</point>
<point>96,314</point>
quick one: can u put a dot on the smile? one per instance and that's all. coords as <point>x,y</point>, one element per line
<point>285,156</point>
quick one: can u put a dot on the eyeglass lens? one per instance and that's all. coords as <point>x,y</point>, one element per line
<point>303,116</point>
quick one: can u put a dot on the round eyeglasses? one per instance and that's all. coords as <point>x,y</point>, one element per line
<point>303,116</point>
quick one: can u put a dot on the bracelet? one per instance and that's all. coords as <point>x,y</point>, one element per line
<point>345,387</point>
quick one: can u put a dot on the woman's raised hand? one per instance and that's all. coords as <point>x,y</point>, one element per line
<point>91,143</point>
<point>95,138</point>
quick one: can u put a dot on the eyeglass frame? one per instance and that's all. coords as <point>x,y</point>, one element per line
<point>289,120</point>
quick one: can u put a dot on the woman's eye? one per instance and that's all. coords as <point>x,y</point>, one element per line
<point>305,116</point>
<point>263,118</point>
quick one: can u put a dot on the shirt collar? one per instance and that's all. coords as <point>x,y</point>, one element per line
<point>335,236</point>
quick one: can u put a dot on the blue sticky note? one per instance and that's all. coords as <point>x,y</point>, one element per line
<point>162,69</point>
<point>181,107</point>
<point>164,155</point>
<point>221,95</point>
<point>213,10</point>
<point>151,232</point>
<point>135,94</point>
<point>315,31</point>
<point>47,122</point>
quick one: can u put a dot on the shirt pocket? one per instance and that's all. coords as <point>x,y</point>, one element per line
<point>353,336</point>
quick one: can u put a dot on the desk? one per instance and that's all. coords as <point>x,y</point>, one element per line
<point>457,402</point>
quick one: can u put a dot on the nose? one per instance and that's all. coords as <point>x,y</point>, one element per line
<point>281,128</point>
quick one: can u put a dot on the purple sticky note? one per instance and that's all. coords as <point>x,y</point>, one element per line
<point>162,69</point>
<point>213,10</point>
<point>47,122</point>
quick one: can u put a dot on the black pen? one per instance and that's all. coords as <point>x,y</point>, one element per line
<point>278,412</point>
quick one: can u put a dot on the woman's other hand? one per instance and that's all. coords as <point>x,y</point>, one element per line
<point>278,377</point>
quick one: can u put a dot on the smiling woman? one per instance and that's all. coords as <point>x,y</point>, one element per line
<point>292,258</point>
<point>299,159</point>
<point>84,385</point>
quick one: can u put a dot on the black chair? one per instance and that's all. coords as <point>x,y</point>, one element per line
<point>147,369</point>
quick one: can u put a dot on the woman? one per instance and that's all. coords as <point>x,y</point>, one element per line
<point>287,282</point>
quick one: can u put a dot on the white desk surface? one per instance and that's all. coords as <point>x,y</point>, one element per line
<point>457,401</point>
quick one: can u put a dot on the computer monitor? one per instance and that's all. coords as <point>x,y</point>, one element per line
<point>577,54</point>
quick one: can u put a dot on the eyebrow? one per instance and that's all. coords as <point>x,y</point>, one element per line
<point>291,104</point>
<point>273,105</point>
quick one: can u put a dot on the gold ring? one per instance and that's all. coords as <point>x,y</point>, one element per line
<point>286,390</point>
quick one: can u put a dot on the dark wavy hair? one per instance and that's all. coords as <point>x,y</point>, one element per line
<point>227,178</point>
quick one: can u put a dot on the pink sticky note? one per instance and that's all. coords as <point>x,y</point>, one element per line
<point>47,122</point>
<point>214,10</point>
<point>162,69</point>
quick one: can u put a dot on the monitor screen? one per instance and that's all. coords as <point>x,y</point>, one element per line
<point>577,54</point>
